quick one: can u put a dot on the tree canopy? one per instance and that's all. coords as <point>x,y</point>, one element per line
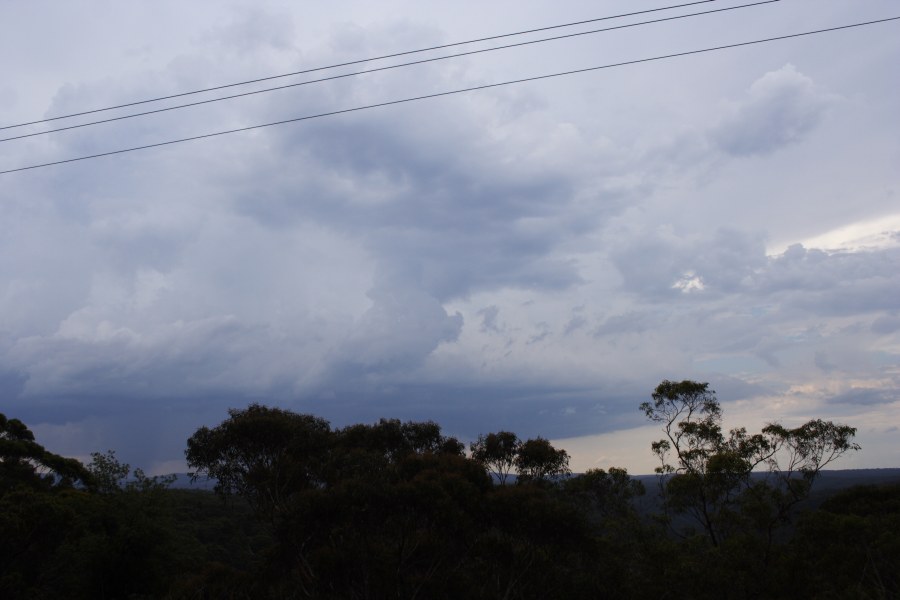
<point>24,462</point>
<point>709,474</point>
<point>396,509</point>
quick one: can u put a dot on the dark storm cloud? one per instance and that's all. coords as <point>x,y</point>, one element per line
<point>176,359</point>
<point>456,222</point>
<point>422,261</point>
<point>467,410</point>
<point>197,285</point>
<point>12,383</point>
<point>396,334</point>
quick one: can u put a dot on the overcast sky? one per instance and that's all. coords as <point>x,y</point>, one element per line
<point>534,257</point>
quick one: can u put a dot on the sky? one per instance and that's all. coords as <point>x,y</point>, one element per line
<point>533,257</point>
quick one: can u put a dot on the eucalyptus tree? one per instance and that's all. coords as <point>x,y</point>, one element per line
<point>730,481</point>
<point>497,452</point>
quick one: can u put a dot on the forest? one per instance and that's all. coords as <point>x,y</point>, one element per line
<point>397,509</point>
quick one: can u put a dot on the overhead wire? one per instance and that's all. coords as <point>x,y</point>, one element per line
<point>354,62</point>
<point>387,68</point>
<point>452,92</point>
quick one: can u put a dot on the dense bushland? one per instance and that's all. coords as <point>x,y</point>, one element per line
<point>399,510</point>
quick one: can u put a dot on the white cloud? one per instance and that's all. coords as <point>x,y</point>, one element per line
<point>870,234</point>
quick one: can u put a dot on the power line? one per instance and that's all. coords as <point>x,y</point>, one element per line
<point>346,75</point>
<point>449,93</point>
<point>353,62</point>
<point>387,68</point>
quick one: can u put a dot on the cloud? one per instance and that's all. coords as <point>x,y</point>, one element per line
<point>252,30</point>
<point>822,361</point>
<point>535,258</point>
<point>397,333</point>
<point>8,97</point>
<point>782,108</point>
<point>284,263</point>
<point>886,325</point>
<point>489,316</point>
<point>838,283</point>
<point>865,397</point>
<point>454,222</point>
<point>661,264</point>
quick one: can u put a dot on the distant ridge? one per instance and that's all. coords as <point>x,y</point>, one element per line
<point>830,480</point>
<point>183,482</point>
<point>838,478</point>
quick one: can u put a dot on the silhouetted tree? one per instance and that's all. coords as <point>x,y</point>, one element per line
<point>497,452</point>
<point>24,462</point>
<point>538,460</point>
<point>710,473</point>
<point>263,454</point>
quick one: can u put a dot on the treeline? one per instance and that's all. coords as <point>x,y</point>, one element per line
<point>400,510</point>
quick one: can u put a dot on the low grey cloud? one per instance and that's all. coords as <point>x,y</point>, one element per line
<point>574,324</point>
<point>634,322</point>
<point>733,262</point>
<point>397,333</point>
<point>489,316</point>
<point>782,108</point>
<point>456,223</point>
<point>840,283</point>
<point>865,397</point>
<point>660,264</point>
<point>886,324</point>
<point>823,362</point>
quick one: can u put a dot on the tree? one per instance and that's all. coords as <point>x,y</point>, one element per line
<point>607,494</point>
<point>109,476</point>
<point>853,538</point>
<point>25,462</point>
<point>709,477</point>
<point>497,452</point>
<point>80,532</point>
<point>263,454</point>
<point>108,473</point>
<point>538,460</point>
<point>394,440</point>
<point>402,530</point>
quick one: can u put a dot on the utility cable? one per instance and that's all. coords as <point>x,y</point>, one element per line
<point>452,92</point>
<point>387,68</point>
<point>353,62</point>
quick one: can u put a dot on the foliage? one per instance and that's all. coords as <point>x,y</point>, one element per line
<point>865,522</point>
<point>535,460</point>
<point>110,536</point>
<point>108,474</point>
<point>538,460</point>
<point>392,440</point>
<point>396,510</point>
<point>711,476</point>
<point>24,462</point>
<point>262,454</point>
<point>605,494</point>
<point>497,452</point>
